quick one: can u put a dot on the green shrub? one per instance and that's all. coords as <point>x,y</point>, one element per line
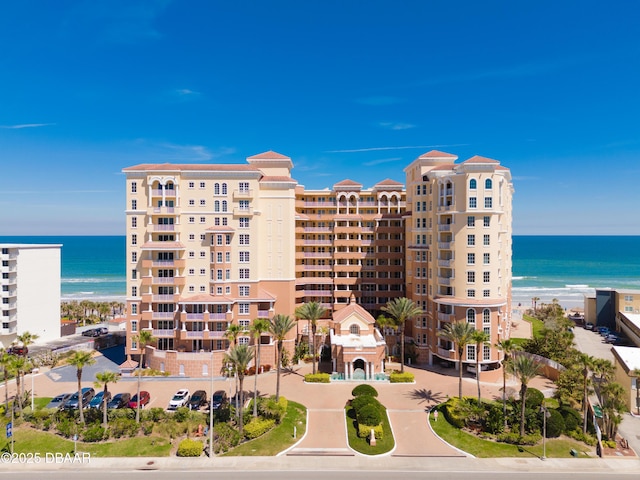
<point>555,424</point>
<point>572,418</point>
<point>363,400</point>
<point>530,439</point>
<point>364,389</point>
<point>609,443</point>
<point>317,378</point>
<point>369,415</point>
<point>582,437</point>
<point>93,433</point>
<point>155,414</point>
<point>189,448</point>
<point>147,427</point>
<point>124,427</point>
<point>509,437</point>
<point>226,437</point>
<point>39,417</point>
<point>268,408</point>
<point>534,398</point>
<point>257,427</point>
<point>66,427</point>
<point>364,431</point>
<point>453,413</point>
<point>181,414</point>
<point>397,377</point>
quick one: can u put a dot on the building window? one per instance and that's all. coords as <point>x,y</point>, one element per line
<point>471,277</point>
<point>244,239</point>
<point>192,202</point>
<point>244,205</point>
<point>134,291</point>
<point>488,184</point>
<point>486,277</point>
<point>134,323</point>
<point>243,340</point>
<point>192,254</point>
<point>244,274</point>
<point>486,352</point>
<point>202,185</point>
<point>219,240</point>
<point>134,344</point>
<point>192,271</point>
<point>473,184</point>
<point>471,258</point>
<point>628,298</point>
<point>134,187</point>
<point>203,219</point>
<point>225,205</point>
<point>203,254</point>
<point>486,240</point>
<point>471,221</point>
<point>219,257</point>
<point>487,221</point>
<point>488,202</point>
<point>216,189</point>
<point>473,202</point>
<point>203,289</point>
<point>471,293</point>
<point>224,188</point>
<point>192,236</point>
<point>243,187</point>
<point>227,239</point>
<point>192,288</point>
<point>134,274</point>
<point>471,316</point>
<point>134,204</point>
<point>227,274</point>
<point>227,257</point>
<point>471,353</point>
<point>134,239</point>
<point>192,219</point>
<point>486,316</point>
<point>192,185</point>
<point>219,274</point>
<point>134,222</point>
<point>203,202</point>
<point>471,240</point>
<point>486,293</point>
<point>203,236</point>
<point>243,290</point>
<point>134,257</point>
<point>244,222</point>
<point>243,257</point>
<point>216,206</point>
<point>203,271</point>
<point>354,329</point>
<point>243,308</point>
<point>486,257</point>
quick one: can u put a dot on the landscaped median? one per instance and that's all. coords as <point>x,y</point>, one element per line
<point>368,427</point>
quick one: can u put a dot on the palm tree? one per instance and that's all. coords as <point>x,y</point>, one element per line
<point>586,363</point>
<point>5,363</point>
<point>27,338</point>
<point>311,312</point>
<point>460,334</point>
<point>240,356</point>
<point>103,379</point>
<point>636,373</point>
<point>81,359</point>
<point>480,338</point>
<point>233,332</point>
<point>613,402</point>
<point>525,368</point>
<point>258,327</point>
<point>507,346</point>
<point>144,338</point>
<point>401,310</point>
<point>535,301</point>
<point>279,326</point>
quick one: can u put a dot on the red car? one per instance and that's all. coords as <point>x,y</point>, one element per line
<point>144,399</point>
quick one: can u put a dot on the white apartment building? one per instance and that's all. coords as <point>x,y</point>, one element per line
<point>30,291</point>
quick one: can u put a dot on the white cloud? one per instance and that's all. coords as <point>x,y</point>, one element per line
<point>186,92</point>
<point>403,147</point>
<point>396,126</point>
<point>27,125</point>
<point>381,160</point>
<point>192,153</point>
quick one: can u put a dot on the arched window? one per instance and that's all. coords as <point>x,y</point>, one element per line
<point>224,205</point>
<point>216,206</point>
<point>169,186</point>
<point>224,188</point>
<point>354,329</point>
<point>473,184</point>
<point>471,316</point>
<point>488,184</point>
<point>486,316</point>
<point>216,189</point>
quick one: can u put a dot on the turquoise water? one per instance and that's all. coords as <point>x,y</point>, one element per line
<point>562,267</point>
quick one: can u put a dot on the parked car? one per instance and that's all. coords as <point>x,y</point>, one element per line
<point>96,402</point>
<point>119,400</point>
<point>180,399</point>
<point>612,338</point>
<point>102,330</point>
<point>198,399</point>
<point>73,403</point>
<point>92,332</point>
<point>588,326</point>
<point>145,398</point>
<point>604,331</point>
<point>19,350</point>
<point>219,399</point>
<point>59,400</point>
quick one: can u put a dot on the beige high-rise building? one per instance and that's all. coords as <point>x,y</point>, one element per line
<point>458,252</point>
<point>214,245</point>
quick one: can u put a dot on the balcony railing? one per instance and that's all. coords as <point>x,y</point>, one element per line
<point>162,315</point>
<point>444,280</point>
<point>195,316</point>
<point>263,313</point>
<point>163,332</point>
<point>445,263</point>
<point>446,317</point>
<point>164,228</point>
<point>444,353</point>
<point>217,316</point>
<point>444,228</point>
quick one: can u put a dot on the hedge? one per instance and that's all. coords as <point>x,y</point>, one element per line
<point>555,424</point>
<point>189,448</point>
<point>450,410</point>
<point>397,377</point>
<point>317,378</point>
<point>257,427</point>
<point>534,398</point>
<point>369,415</point>
<point>363,400</point>
<point>364,431</point>
<point>364,389</point>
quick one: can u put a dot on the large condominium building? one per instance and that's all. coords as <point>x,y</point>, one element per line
<point>458,252</point>
<point>214,245</point>
<point>30,291</point>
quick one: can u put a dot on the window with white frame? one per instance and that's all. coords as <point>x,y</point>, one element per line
<point>218,240</point>
<point>473,184</point>
<point>243,205</point>
<point>473,202</point>
<point>134,187</point>
<point>224,189</point>
<point>486,352</point>
<point>243,187</point>
<point>486,316</point>
<point>243,308</point>
<point>134,222</point>
<point>202,185</point>
<point>225,205</point>
<point>488,202</point>
<point>134,309</point>
<point>488,184</point>
<point>471,221</point>
<point>216,206</point>
<point>134,204</point>
<point>486,240</point>
<point>216,189</point>
<point>486,293</point>
<point>227,239</point>
<point>192,220</point>
<point>203,219</point>
<point>192,184</point>
<point>192,271</point>
<point>471,276</point>
<point>227,274</point>
<point>486,258</point>
<point>486,277</point>
<point>243,340</point>
<point>203,271</point>
<point>219,290</point>
<point>354,329</point>
<point>471,240</point>
<point>219,257</point>
<point>244,239</point>
<point>243,291</point>
<point>471,293</point>
<point>487,221</point>
<point>134,257</point>
<point>471,258</point>
<point>134,291</point>
<point>192,237</point>
<point>471,353</point>
<point>203,202</point>
<point>471,316</point>
<point>134,239</point>
<point>192,254</point>
<point>203,254</point>
<point>244,222</point>
<point>192,202</point>
<point>227,257</point>
<point>219,274</point>
<point>203,237</point>
<point>243,257</point>
<point>243,274</point>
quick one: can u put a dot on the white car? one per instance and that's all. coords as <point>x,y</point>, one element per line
<point>180,399</point>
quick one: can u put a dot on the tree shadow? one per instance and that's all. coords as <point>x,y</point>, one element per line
<point>425,395</point>
<point>289,371</point>
<point>511,394</point>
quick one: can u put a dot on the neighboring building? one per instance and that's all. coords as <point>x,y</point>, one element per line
<point>627,360</point>
<point>211,245</point>
<point>458,253</point>
<point>617,309</point>
<point>30,291</point>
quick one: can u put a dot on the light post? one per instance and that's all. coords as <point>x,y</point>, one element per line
<point>545,414</point>
<point>33,374</point>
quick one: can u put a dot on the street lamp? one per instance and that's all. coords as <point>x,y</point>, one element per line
<point>211,409</point>
<point>33,374</point>
<point>545,415</point>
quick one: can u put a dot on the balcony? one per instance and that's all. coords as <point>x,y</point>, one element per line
<point>320,204</point>
<point>316,229</point>
<point>317,293</point>
<point>163,193</point>
<point>263,313</point>
<point>446,317</point>
<point>163,263</point>
<point>180,281</point>
<point>316,268</point>
<point>164,333</point>
<point>243,212</point>
<point>149,298</point>
<point>444,228</point>
<point>243,194</point>
<point>444,353</point>
<point>445,245</point>
<point>445,263</point>
<point>164,228</point>
<point>444,280</point>
<point>9,293</point>
<point>165,210</point>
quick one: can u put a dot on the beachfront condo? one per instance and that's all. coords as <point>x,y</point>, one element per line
<point>30,291</point>
<point>209,246</point>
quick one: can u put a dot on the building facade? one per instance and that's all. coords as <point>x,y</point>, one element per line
<point>213,245</point>
<point>458,253</point>
<point>30,291</point>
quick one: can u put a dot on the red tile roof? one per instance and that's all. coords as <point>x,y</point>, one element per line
<point>388,181</point>
<point>270,155</point>
<point>479,159</point>
<point>347,182</point>
<point>437,154</point>
<point>143,167</point>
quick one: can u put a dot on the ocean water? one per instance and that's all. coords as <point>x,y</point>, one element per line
<point>547,267</point>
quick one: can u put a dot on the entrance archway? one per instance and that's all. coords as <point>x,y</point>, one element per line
<point>358,370</point>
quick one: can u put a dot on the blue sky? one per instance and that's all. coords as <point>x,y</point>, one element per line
<point>347,89</point>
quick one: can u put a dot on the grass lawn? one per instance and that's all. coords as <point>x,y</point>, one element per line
<point>28,440</point>
<point>361,445</point>
<point>536,325</point>
<point>279,438</point>
<point>556,448</point>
